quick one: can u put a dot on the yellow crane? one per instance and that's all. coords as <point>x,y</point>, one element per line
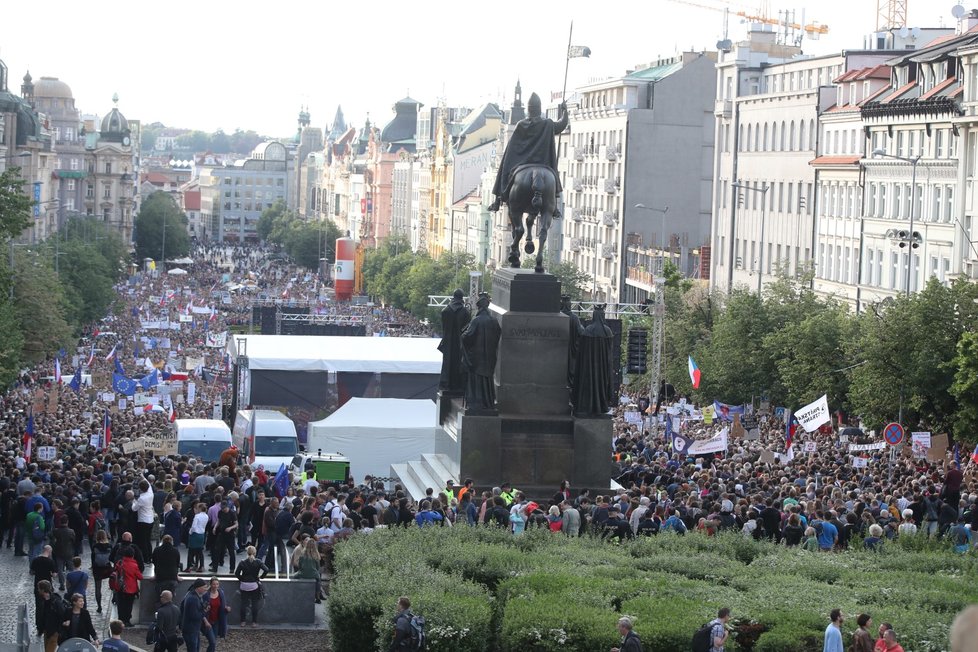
<point>763,15</point>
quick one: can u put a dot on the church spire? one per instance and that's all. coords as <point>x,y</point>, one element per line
<point>516,112</point>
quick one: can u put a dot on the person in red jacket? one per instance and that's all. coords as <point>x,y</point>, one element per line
<point>127,587</point>
<point>229,458</point>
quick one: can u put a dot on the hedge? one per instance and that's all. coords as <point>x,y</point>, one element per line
<point>485,590</point>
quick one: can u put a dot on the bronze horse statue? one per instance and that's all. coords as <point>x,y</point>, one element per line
<point>533,193</point>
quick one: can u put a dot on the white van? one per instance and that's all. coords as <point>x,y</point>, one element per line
<point>203,439</point>
<point>276,442</point>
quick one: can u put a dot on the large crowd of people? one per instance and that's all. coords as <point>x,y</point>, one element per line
<point>82,511</point>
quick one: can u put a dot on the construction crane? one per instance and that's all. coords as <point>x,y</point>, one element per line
<point>890,14</point>
<point>793,30</point>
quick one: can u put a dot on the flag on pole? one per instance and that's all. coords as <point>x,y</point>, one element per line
<point>106,430</point>
<point>281,481</point>
<point>575,51</point>
<point>111,354</point>
<point>694,373</point>
<point>91,356</point>
<point>28,441</point>
<point>791,426</point>
<point>118,367</point>
<point>173,414</point>
<point>957,455</point>
<point>974,455</point>
<point>57,371</point>
<point>76,380</point>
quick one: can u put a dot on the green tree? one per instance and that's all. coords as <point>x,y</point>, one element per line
<point>268,218</point>
<point>88,281</point>
<point>157,209</point>
<point>15,205</point>
<point>39,305</point>
<point>965,388</point>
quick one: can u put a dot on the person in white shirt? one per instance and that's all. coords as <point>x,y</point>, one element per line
<point>337,514</point>
<point>143,506</point>
<point>198,533</point>
<point>908,527</point>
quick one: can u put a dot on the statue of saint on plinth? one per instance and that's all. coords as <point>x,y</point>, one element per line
<point>593,388</point>
<point>480,345</point>
<point>454,318</point>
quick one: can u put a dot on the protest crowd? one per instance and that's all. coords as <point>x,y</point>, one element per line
<point>84,507</point>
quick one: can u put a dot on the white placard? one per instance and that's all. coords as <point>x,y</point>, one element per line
<point>920,442</point>
<point>878,446</point>
<point>122,403</point>
<point>859,462</point>
<point>191,393</point>
<point>76,432</point>
<point>47,453</point>
<point>810,447</point>
<point>814,414</point>
<point>108,397</point>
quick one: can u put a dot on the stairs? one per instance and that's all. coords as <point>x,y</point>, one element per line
<point>431,471</point>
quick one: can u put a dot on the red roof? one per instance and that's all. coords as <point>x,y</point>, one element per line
<point>875,95</point>
<point>881,71</point>
<point>898,92</point>
<point>849,159</point>
<point>849,74</point>
<point>191,200</point>
<point>156,178</point>
<point>937,89</point>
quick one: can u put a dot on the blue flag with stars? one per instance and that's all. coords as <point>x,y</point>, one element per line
<point>123,385</point>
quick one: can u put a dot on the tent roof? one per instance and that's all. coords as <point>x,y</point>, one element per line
<point>382,413</point>
<point>399,355</point>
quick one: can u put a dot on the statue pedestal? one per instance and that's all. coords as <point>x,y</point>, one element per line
<point>531,370</point>
<point>534,442</point>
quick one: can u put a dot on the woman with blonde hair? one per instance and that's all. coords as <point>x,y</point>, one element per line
<point>308,565</point>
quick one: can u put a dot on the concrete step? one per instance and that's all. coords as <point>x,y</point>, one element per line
<point>425,478</point>
<point>438,466</point>
<point>408,481</point>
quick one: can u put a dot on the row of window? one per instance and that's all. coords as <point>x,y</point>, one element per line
<point>940,144</point>
<point>782,197</point>
<point>892,200</point>
<point>841,264</point>
<point>253,181</point>
<point>784,136</point>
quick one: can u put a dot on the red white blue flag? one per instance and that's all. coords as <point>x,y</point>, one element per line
<point>694,373</point>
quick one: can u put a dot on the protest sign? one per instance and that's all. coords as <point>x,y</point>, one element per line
<point>122,403</point>
<point>767,457</point>
<point>633,416</point>
<point>920,443</point>
<point>938,448</point>
<point>165,444</point>
<point>76,432</point>
<point>814,414</point>
<point>754,434</point>
<point>737,429</point>
<point>810,447</point>
<point>52,403</point>
<point>193,362</point>
<point>218,411</point>
<point>708,414</point>
<point>108,397</point>
<point>717,444</point>
<point>878,446</point>
<point>859,462</point>
<point>47,453</point>
<point>216,340</point>
<point>134,446</point>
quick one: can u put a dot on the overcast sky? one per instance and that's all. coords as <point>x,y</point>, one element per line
<point>250,65</point>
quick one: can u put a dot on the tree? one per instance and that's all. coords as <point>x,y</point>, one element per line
<point>266,222</point>
<point>965,388</point>
<point>15,206</point>
<point>39,305</point>
<point>156,209</point>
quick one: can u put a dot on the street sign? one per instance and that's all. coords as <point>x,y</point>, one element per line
<point>893,434</point>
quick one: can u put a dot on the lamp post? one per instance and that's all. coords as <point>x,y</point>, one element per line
<point>909,239</point>
<point>760,258</point>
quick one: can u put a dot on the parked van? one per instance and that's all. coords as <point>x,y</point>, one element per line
<point>203,439</point>
<point>275,442</point>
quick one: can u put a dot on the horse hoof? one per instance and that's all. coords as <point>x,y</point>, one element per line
<point>529,247</point>
<point>538,269</point>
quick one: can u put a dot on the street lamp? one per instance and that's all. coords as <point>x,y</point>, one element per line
<point>760,258</point>
<point>909,238</point>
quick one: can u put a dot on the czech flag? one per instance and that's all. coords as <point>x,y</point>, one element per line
<point>173,414</point>
<point>791,425</point>
<point>57,371</point>
<point>111,354</point>
<point>974,455</point>
<point>694,373</point>
<point>106,430</point>
<point>28,441</point>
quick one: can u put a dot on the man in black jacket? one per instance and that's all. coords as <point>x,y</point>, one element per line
<point>630,642</point>
<point>402,625</point>
<point>167,621</point>
<point>126,542</point>
<point>51,611</point>
<point>166,566</point>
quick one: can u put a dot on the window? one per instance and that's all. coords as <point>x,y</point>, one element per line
<point>74,162</point>
<point>870,261</point>
<point>89,190</point>
<point>107,191</point>
<point>106,212</point>
<point>948,213</point>
<point>893,270</point>
<point>934,268</point>
<point>848,265</point>
<point>900,142</point>
<point>879,269</point>
<point>939,143</point>
<point>882,207</point>
<point>935,215</point>
<point>108,168</point>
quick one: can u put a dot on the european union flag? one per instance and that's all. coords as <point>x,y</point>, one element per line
<point>149,380</point>
<point>123,385</point>
<point>281,481</point>
<point>76,380</point>
<point>118,367</point>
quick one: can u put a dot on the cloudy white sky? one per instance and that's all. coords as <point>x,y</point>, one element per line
<point>250,65</point>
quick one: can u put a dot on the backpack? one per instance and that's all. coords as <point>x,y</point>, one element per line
<point>37,532</point>
<point>101,525</point>
<point>101,559</point>
<point>117,580</point>
<point>702,641</point>
<point>418,640</point>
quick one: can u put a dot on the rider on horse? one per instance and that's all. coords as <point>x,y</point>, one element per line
<point>532,143</point>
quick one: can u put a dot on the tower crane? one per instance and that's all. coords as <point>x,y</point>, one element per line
<point>793,30</point>
<point>890,14</point>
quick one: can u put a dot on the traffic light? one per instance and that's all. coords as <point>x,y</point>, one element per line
<point>638,349</point>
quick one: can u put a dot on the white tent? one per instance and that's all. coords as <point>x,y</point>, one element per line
<point>398,355</point>
<point>176,271</point>
<point>377,432</point>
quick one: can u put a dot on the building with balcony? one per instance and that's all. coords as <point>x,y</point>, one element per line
<point>644,138</point>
